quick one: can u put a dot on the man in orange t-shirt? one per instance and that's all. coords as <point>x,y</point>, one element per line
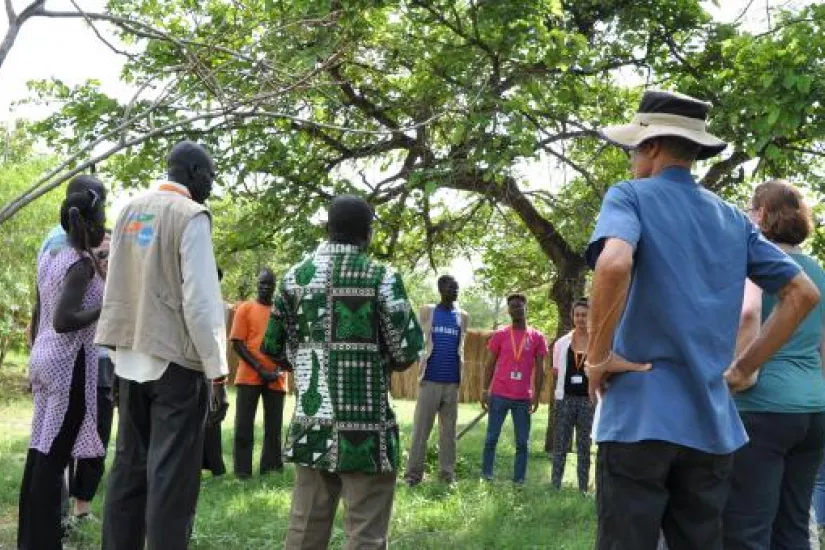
<point>257,377</point>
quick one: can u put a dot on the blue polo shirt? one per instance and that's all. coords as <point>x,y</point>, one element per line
<point>692,253</point>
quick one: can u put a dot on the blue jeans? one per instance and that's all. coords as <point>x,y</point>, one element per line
<point>498,408</point>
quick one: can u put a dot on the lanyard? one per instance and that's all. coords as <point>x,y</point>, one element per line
<point>517,352</point>
<point>579,359</point>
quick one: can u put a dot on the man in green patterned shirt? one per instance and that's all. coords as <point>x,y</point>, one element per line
<point>344,324</point>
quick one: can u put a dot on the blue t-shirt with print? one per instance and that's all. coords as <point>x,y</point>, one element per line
<point>692,253</point>
<point>443,364</point>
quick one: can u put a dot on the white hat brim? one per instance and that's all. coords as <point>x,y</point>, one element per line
<point>630,136</point>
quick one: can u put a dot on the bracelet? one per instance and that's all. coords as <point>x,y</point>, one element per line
<point>603,363</point>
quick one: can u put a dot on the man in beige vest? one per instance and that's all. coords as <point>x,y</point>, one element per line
<point>163,315</point>
<point>445,327</point>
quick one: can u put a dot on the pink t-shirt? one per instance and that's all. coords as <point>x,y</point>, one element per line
<point>516,351</point>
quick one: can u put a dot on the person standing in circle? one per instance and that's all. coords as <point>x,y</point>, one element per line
<point>573,407</point>
<point>513,379</point>
<point>63,369</point>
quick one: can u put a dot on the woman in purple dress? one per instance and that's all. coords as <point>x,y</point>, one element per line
<point>63,369</point>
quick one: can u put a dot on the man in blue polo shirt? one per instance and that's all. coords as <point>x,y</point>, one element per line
<point>670,260</point>
<point>444,326</point>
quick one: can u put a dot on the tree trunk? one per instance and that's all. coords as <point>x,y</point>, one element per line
<point>568,286</point>
<point>566,289</point>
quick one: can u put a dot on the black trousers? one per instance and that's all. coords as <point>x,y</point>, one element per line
<point>213,450</point>
<point>85,473</point>
<point>246,404</point>
<point>649,486</point>
<point>38,526</point>
<point>772,483</point>
<point>155,479</point>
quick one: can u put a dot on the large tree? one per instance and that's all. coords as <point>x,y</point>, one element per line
<point>436,110</point>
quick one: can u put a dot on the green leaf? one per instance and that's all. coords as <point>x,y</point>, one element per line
<point>430,188</point>
<point>772,152</point>
<point>803,84</point>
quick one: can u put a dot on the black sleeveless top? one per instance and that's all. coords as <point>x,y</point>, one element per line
<point>575,380</point>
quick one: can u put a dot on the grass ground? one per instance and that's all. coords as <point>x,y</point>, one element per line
<point>254,513</point>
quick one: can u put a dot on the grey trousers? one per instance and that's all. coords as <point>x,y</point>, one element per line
<point>367,498</point>
<point>441,399</point>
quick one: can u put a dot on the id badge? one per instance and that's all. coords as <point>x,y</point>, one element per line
<point>515,375</point>
<point>577,379</point>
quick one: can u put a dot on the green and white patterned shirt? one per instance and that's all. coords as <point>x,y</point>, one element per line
<point>343,321</point>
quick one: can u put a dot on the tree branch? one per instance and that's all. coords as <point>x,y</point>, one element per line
<point>716,174</point>
<point>15,23</point>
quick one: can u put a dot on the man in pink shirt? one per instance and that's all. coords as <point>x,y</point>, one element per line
<point>513,379</point>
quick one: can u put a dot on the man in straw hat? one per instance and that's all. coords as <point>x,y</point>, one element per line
<point>670,261</point>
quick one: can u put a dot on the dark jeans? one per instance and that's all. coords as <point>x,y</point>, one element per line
<point>773,479</point>
<point>155,479</point>
<point>85,473</point>
<point>38,525</point>
<point>649,486</point>
<point>246,405</point>
<point>520,410</point>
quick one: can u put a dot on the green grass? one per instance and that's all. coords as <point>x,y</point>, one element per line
<point>255,513</point>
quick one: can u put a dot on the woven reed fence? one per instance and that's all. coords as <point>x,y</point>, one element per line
<point>405,384</point>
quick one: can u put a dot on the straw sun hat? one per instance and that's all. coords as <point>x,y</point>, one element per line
<point>667,114</point>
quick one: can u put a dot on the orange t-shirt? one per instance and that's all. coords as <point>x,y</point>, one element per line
<point>249,326</point>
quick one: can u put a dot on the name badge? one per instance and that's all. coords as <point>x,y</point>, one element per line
<point>576,379</point>
<point>515,375</point>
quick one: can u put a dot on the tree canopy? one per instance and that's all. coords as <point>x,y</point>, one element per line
<point>440,112</point>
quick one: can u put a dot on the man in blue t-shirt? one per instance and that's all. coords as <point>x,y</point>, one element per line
<point>670,260</point>
<point>444,326</point>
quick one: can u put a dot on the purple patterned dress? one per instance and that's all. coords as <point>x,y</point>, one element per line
<point>53,358</point>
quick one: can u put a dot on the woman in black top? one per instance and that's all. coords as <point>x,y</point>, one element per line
<point>573,407</point>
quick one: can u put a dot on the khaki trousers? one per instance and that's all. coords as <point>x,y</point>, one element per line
<point>367,499</point>
<point>434,398</point>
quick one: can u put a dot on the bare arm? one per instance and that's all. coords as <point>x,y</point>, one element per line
<point>751,317</point>
<point>246,355</point>
<point>487,380</point>
<point>70,315</point>
<point>796,300</point>
<point>611,283</point>
<point>538,382</point>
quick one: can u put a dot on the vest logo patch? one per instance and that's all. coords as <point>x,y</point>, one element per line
<point>141,227</point>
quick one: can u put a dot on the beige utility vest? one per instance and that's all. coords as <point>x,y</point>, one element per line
<point>143,301</point>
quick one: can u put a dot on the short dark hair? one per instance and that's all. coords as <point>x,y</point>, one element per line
<point>581,302</point>
<point>349,218</point>
<point>516,296</point>
<point>444,279</point>
<point>785,216</point>
<point>679,148</point>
